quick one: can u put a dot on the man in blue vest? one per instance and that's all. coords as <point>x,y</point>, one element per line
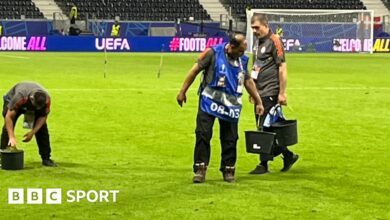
<point>225,75</point>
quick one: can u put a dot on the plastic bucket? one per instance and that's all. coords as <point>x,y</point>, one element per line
<point>12,160</point>
<point>286,132</point>
<point>259,142</point>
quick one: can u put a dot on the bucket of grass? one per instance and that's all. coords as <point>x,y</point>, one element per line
<point>12,158</point>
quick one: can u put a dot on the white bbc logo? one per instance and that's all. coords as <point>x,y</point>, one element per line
<point>34,196</point>
<point>16,196</point>
<point>53,196</point>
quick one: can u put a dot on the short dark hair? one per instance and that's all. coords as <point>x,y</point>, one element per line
<point>262,18</point>
<point>39,99</point>
<point>234,42</point>
<point>237,40</point>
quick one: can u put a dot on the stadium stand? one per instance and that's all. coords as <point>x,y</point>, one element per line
<point>14,9</point>
<point>387,3</point>
<point>239,6</point>
<point>139,10</point>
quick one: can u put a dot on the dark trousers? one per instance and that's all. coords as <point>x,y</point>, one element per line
<point>42,136</point>
<point>268,103</point>
<point>204,131</point>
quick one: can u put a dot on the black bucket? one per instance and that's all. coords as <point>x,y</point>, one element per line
<point>286,132</point>
<point>12,160</point>
<point>259,142</point>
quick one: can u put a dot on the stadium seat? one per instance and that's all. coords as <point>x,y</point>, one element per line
<point>13,9</point>
<point>153,10</point>
<point>166,9</point>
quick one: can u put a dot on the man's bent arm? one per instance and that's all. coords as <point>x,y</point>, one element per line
<point>39,123</point>
<point>190,78</point>
<point>181,97</point>
<point>251,88</point>
<point>9,123</point>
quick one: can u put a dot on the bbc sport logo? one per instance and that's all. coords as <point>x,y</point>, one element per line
<point>54,196</point>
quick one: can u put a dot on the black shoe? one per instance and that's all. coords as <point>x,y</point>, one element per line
<point>200,175</point>
<point>289,162</point>
<point>260,169</point>
<point>228,174</point>
<point>49,163</point>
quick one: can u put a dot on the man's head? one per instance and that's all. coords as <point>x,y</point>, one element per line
<point>237,46</point>
<point>38,99</point>
<point>259,24</point>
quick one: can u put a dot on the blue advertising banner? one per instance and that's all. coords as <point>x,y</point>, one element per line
<point>298,29</point>
<point>178,44</point>
<point>94,44</point>
<point>26,28</point>
<point>311,44</point>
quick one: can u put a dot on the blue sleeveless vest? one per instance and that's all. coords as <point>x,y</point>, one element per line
<point>222,96</point>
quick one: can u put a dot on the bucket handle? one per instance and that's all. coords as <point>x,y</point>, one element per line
<point>259,128</point>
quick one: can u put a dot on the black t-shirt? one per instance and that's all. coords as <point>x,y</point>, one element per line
<point>17,98</point>
<point>268,54</point>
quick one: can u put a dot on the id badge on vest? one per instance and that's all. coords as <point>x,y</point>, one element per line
<point>241,78</point>
<point>221,81</point>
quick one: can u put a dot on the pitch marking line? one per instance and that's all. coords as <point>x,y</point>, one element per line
<point>16,57</point>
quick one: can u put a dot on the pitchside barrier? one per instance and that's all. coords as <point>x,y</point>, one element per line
<point>94,44</point>
<point>172,44</point>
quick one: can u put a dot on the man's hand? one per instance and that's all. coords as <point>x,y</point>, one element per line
<point>259,109</point>
<point>181,97</point>
<point>12,142</point>
<point>28,136</point>
<point>282,99</point>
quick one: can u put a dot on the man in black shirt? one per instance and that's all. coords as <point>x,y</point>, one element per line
<point>270,74</point>
<point>32,100</point>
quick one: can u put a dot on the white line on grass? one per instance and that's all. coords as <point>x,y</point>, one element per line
<point>339,88</point>
<point>176,89</point>
<point>16,57</point>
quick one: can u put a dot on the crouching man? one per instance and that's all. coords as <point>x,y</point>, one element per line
<point>33,101</point>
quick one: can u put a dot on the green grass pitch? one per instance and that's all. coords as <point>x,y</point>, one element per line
<point>126,132</point>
